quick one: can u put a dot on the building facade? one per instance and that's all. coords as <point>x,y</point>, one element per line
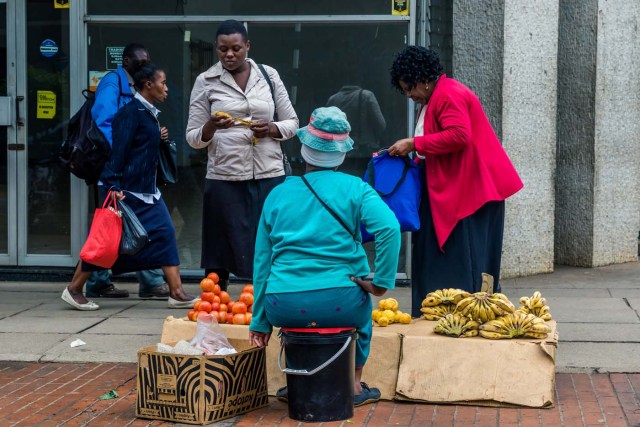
<point>558,82</point>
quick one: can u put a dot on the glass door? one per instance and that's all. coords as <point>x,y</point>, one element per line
<point>34,109</point>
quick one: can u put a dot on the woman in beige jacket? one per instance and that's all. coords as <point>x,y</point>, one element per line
<point>245,159</point>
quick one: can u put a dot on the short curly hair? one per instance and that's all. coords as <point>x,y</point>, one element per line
<point>413,65</point>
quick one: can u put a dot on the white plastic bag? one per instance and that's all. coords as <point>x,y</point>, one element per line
<point>209,337</point>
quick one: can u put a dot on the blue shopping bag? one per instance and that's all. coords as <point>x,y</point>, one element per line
<point>397,181</point>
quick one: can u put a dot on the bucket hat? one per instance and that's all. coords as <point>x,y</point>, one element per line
<point>328,130</point>
<point>325,140</point>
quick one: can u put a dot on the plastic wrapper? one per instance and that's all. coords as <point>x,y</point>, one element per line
<point>209,337</point>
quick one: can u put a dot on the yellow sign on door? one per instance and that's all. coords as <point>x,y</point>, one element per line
<point>399,7</point>
<point>46,104</point>
<point>61,4</point>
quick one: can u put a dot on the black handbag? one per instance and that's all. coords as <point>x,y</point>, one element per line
<point>134,236</point>
<point>167,163</point>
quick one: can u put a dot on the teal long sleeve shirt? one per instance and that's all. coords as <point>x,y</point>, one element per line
<point>301,247</point>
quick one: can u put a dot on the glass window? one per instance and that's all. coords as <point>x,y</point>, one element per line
<point>238,7</point>
<point>4,196</point>
<point>47,117</point>
<point>315,61</point>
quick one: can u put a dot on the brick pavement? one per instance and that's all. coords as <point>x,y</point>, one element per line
<point>55,394</point>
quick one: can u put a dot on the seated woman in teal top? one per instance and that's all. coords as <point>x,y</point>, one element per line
<point>309,265</point>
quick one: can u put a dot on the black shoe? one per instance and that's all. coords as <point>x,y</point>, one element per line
<point>282,394</point>
<point>108,292</point>
<point>368,395</point>
<point>155,292</point>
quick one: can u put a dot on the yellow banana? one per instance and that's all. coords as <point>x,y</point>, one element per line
<point>492,335</point>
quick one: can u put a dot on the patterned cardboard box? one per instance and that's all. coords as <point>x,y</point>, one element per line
<point>200,389</point>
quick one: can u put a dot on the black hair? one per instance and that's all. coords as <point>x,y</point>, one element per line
<point>413,65</point>
<point>131,49</point>
<point>146,73</point>
<point>231,26</point>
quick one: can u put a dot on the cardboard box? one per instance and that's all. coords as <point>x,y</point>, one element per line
<point>413,363</point>
<point>174,330</point>
<point>438,369</point>
<point>201,389</point>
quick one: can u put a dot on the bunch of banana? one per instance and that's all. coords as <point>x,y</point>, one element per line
<point>513,325</point>
<point>483,306</point>
<point>388,313</point>
<point>536,305</point>
<point>457,325</point>
<point>437,312</point>
<point>444,296</point>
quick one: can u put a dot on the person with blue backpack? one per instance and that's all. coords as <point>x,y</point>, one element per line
<point>116,89</point>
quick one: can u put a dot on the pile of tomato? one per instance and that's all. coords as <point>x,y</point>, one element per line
<point>218,303</point>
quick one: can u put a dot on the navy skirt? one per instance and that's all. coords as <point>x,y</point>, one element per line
<point>162,249</point>
<point>474,247</point>
<point>230,216</point>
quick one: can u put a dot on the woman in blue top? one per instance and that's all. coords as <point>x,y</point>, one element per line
<point>309,264</point>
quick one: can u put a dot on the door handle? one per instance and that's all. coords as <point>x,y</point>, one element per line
<point>19,121</point>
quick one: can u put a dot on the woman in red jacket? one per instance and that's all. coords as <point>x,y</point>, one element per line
<point>468,176</point>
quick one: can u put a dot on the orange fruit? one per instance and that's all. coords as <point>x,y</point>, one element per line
<point>247,318</point>
<point>207,296</point>
<point>248,288</point>
<point>213,276</point>
<point>239,308</point>
<point>207,284</point>
<point>192,315</point>
<point>216,298</point>
<point>216,289</point>
<point>239,319</point>
<point>202,314</point>
<point>205,306</point>
<point>215,306</point>
<point>246,297</point>
<point>224,308</point>
<point>230,306</point>
<point>230,318</point>
<point>224,297</point>
<point>196,305</point>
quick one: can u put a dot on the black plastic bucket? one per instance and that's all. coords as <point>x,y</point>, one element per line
<point>320,373</point>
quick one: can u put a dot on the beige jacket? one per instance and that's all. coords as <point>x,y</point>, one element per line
<point>232,155</point>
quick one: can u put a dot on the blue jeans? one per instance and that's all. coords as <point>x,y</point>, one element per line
<point>147,279</point>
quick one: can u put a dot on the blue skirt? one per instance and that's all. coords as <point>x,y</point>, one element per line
<point>162,248</point>
<point>473,247</point>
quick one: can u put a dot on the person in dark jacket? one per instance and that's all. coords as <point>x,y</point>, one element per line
<point>116,90</point>
<point>131,173</point>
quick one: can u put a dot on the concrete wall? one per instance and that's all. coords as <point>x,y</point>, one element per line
<point>616,212</point>
<point>598,197</point>
<point>529,96</point>
<point>477,52</point>
<point>506,52</point>
<point>576,127</point>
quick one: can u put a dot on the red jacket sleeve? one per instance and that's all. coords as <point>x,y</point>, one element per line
<point>452,118</point>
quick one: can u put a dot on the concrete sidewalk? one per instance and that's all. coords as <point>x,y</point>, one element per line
<point>598,358</point>
<point>598,314</point>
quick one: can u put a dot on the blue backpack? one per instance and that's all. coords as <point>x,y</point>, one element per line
<point>397,181</point>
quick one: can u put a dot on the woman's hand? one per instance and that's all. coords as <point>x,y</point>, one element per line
<point>261,128</point>
<point>260,339</point>
<point>119,194</point>
<point>402,147</point>
<point>164,133</point>
<point>220,121</point>
<point>369,287</point>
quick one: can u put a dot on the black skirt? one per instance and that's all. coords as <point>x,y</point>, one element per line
<point>162,248</point>
<point>231,211</point>
<point>473,247</point>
